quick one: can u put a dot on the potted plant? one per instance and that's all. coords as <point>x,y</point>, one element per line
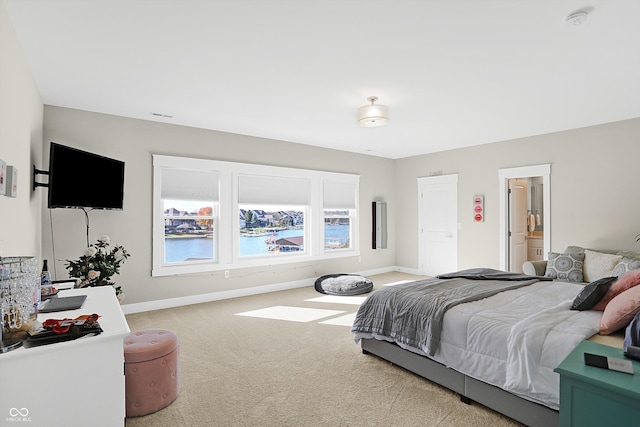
<point>98,264</point>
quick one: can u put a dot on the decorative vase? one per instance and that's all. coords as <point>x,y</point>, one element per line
<point>120,297</point>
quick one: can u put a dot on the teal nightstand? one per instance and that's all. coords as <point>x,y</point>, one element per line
<point>591,396</point>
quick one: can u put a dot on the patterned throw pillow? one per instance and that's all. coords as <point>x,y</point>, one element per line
<point>625,265</point>
<point>567,267</point>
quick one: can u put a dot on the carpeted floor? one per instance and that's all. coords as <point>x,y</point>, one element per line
<point>251,361</point>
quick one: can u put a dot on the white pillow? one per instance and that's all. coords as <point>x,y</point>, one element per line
<point>598,265</point>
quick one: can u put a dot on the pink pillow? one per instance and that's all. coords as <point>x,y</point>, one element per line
<point>626,281</point>
<point>620,311</point>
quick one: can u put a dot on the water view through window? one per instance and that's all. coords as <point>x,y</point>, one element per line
<point>265,231</point>
<point>190,231</point>
<point>187,249</point>
<point>337,229</point>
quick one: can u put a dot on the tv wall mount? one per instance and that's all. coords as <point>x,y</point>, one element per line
<point>37,172</point>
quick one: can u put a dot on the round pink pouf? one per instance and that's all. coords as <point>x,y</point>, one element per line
<point>151,371</point>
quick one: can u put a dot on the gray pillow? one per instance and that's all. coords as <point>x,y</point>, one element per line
<point>592,294</point>
<point>566,267</point>
<point>624,266</point>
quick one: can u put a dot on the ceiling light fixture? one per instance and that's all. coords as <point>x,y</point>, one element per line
<point>576,18</point>
<point>373,115</point>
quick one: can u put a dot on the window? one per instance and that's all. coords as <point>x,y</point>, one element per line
<point>337,229</point>
<point>188,231</point>
<point>186,208</point>
<point>271,230</point>
<point>339,209</point>
<point>271,215</point>
<point>210,215</point>
<point>189,203</point>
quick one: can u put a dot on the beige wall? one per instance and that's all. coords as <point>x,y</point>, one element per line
<point>594,197</point>
<point>20,146</point>
<point>134,141</point>
<point>593,203</point>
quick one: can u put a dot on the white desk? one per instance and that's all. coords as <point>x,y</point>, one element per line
<point>72,383</point>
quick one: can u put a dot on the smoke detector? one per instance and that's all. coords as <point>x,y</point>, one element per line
<point>576,18</point>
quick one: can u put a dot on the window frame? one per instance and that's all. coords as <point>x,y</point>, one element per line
<point>228,226</point>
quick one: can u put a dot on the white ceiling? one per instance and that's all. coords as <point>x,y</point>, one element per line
<point>454,73</point>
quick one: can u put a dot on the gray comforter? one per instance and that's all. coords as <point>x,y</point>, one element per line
<point>412,313</point>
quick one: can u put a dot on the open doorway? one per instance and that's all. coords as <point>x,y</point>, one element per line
<point>525,218</point>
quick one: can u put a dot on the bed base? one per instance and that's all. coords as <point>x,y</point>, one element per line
<point>469,389</point>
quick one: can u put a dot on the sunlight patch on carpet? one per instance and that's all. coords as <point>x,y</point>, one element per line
<point>346,320</point>
<point>293,314</point>
<point>399,282</point>
<point>337,299</point>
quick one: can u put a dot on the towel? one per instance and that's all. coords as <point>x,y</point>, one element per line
<point>537,219</point>
<point>532,222</point>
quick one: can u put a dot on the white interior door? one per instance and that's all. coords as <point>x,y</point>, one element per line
<point>517,224</point>
<point>438,224</point>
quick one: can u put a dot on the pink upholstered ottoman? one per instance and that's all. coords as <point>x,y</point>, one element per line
<point>151,371</point>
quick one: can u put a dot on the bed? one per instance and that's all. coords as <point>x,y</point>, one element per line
<point>496,341</point>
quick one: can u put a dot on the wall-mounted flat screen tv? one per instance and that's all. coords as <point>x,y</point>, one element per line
<point>79,179</point>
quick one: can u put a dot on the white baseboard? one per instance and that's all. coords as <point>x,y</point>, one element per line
<point>235,293</point>
<point>413,271</point>
<point>213,296</point>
